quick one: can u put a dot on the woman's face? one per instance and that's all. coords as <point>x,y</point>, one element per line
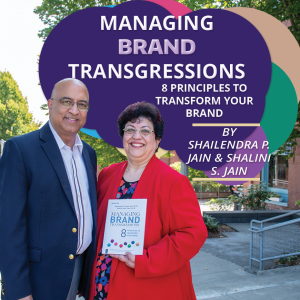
<point>139,147</point>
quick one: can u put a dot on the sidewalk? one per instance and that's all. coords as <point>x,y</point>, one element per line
<point>218,272</point>
<point>235,248</point>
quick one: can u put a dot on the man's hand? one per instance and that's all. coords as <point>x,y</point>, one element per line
<point>128,259</point>
<point>27,298</point>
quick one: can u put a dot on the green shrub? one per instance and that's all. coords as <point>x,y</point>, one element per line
<point>211,223</point>
<point>293,258</point>
<point>272,194</point>
<point>283,260</point>
<point>255,196</point>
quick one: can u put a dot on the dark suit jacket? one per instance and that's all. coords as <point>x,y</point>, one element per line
<point>37,216</point>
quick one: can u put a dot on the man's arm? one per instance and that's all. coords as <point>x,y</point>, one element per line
<point>14,262</point>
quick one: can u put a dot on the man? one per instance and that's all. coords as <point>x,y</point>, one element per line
<point>48,204</point>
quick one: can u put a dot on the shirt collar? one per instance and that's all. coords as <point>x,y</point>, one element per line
<point>60,142</point>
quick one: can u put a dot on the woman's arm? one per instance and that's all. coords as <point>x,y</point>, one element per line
<point>187,234</point>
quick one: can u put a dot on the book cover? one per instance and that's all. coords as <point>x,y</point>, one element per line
<point>125,226</point>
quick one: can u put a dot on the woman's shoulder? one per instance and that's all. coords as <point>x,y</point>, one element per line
<point>110,170</point>
<point>172,180</point>
<point>168,172</point>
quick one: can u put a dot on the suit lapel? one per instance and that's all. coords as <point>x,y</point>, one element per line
<point>53,153</point>
<point>92,183</point>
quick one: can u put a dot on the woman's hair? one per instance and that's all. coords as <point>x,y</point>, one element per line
<point>142,109</point>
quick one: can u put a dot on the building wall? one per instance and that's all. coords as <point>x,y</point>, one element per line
<point>248,183</point>
<point>272,206</point>
<point>294,178</point>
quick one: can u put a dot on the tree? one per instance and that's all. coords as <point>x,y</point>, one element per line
<point>282,10</point>
<point>193,173</point>
<point>106,154</point>
<point>45,107</point>
<point>168,154</point>
<point>51,12</point>
<point>15,119</point>
<point>291,142</point>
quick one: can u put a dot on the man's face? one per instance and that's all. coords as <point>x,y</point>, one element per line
<point>68,121</point>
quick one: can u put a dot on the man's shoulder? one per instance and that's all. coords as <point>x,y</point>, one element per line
<point>26,146</point>
<point>25,139</point>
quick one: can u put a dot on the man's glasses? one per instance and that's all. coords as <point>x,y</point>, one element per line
<point>132,131</point>
<point>68,102</point>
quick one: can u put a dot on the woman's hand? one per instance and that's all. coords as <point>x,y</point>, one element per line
<point>128,259</point>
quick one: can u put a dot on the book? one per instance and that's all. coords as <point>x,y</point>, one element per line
<point>125,226</point>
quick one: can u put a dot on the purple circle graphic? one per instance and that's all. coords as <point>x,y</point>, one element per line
<point>247,160</point>
<point>222,63</point>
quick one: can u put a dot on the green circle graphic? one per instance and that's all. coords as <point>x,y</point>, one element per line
<point>281,109</point>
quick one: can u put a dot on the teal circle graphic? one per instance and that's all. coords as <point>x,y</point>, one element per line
<point>281,109</point>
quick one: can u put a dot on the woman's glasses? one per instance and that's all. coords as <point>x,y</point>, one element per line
<point>132,131</point>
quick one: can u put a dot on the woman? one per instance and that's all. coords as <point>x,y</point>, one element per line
<point>174,230</point>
